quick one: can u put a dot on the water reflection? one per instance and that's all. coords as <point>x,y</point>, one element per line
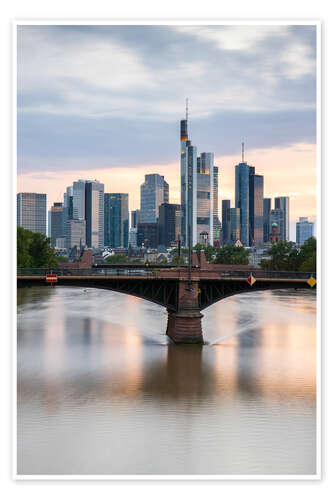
<point>93,377</point>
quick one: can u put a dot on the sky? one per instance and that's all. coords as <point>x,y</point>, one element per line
<point>104,102</point>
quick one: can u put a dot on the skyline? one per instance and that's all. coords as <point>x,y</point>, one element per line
<point>251,83</point>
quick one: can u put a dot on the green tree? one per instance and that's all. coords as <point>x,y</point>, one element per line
<point>230,254</point>
<point>284,256</point>
<point>34,250</point>
<point>178,260</point>
<point>119,258</point>
<point>210,251</point>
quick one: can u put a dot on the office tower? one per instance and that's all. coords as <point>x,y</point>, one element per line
<point>205,196</point>
<point>79,196</point>
<point>135,218</point>
<point>56,222</point>
<point>168,223</point>
<point>304,230</point>
<point>153,193</point>
<point>276,218</point>
<point>133,237</point>
<point>282,202</point>
<point>226,227</point>
<point>31,211</point>
<point>68,206</point>
<point>256,208</point>
<point>188,186</point>
<point>147,235</point>
<point>235,224</point>
<point>216,220</point>
<point>267,209</point>
<point>75,233</point>
<point>242,197</point>
<point>94,214</point>
<point>116,220</point>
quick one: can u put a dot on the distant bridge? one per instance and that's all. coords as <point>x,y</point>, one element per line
<point>171,288</point>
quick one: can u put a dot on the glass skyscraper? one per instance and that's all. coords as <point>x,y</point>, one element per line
<point>116,220</point>
<point>304,230</point>
<point>242,199</point>
<point>168,223</point>
<point>256,209</point>
<point>282,202</point>
<point>154,192</point>
<point>226,228</point>
<point>205,196</point>
<point>267,209</point>
<point>56,221</point>
<point>31,211</point>
<point>94,214</point>
<point>235,224</point>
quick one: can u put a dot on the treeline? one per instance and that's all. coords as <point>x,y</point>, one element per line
<point>34,250</point>
<point>228,254</point>
<point>285,256</point>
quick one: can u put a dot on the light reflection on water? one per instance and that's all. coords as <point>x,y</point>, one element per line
<point>102,391</point>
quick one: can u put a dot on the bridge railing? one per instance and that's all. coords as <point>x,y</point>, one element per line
<point>34,271</point>
<point>260,273</point>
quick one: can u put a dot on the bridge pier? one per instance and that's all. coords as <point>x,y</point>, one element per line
<point>184,326</point>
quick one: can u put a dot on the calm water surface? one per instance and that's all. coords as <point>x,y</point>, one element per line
<point>102,391</point>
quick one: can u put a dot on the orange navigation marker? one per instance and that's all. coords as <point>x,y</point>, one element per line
<point>251,280</point>
<point>312,281</point>
<point>51,278</point>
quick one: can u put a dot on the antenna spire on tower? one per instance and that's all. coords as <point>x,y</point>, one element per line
<point>242,152</point>
<point>186,108</point>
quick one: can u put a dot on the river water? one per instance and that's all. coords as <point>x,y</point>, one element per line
<point>101,390</point>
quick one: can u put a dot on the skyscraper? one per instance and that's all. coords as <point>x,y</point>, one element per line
<point>116,220</point>
<point>68,206</point>
<point>205,196</point>
<point>304,230</point>
<point>75,233</point>
<point>276,218</point>
<point>226,228</point>
<point>154,192</point>
<point>31,211</point>
<point>56,221</point>
<point>235,224</point>
<point>242,199</point>
<point>147,234</point>
<point>267,209</point>
<point>135,218</point>
<point>188,184</point>
<point>256,209</point>
<point>168,223</point>
<point>94,214</point>
<point>282,202</point>
<point>216,221</point>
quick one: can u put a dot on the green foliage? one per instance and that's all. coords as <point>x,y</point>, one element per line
<point>230,254</point>
<point>178,260</point>
<point>284,256</point>
<point>210,251</point>
<point>119,258</point>
<point>34,250</point>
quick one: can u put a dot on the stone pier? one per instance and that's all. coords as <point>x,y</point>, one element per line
<point>184,326</point>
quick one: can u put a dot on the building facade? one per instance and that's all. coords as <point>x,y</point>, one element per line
<point>116,220</point>
<point>205,196</point>
<point>276,219</point>
<point>242,199</point>
<point>235,224</point>
<point>282,202</point>
<point>135,218</point>
<point>75,233</point>
<point>304,230</point>
<point>267,209</point>
<point>188,187</point>
<point>31,211</point>
<point>154,192</point>
<point>226,227</point>
<point>147,235</point>
<point>56,222</point>
<point>94,214</point>
<point>168,224</point>
<point>256,209</point>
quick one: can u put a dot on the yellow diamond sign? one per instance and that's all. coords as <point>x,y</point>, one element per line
<point>251,280</point>
<point>312,281</point>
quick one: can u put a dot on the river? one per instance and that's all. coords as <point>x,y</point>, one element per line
<point>102,391</point>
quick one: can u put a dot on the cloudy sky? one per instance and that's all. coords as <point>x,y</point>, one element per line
<point>104,102</point>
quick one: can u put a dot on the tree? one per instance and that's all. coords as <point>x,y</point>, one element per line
<point>178,260</point>
<point>119,258</point>
<point>210,251</point>
<point>34,250</point>
<point>284,257</point>
<point>230,254</point>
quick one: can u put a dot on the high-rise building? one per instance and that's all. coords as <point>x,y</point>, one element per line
<point>282,202</point>
<point>116,220</point>
<point>188,186</point>
<point>235,224</point>
<point>94,214</point>
<point>56,222</point>
<point>226,227</point>
<point>135,218</point>
<point>147,234</point>
<point>79,197</point>
<point>304,230</point>
<point>154,192</point>
<point>242,199</point>
<point>256,209</point>
<point>168,223</point>
<point>267,209</point>
<point>216,220</point>
<point>75,233</point>
<point>68,206</point>
<point>205,196</point>
<point>276,219</point>
<point>133,237</point>
<point>31,211</point>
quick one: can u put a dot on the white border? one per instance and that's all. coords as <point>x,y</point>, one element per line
<point>164,22</point>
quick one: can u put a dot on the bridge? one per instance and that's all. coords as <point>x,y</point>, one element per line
<point>182,292</point>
